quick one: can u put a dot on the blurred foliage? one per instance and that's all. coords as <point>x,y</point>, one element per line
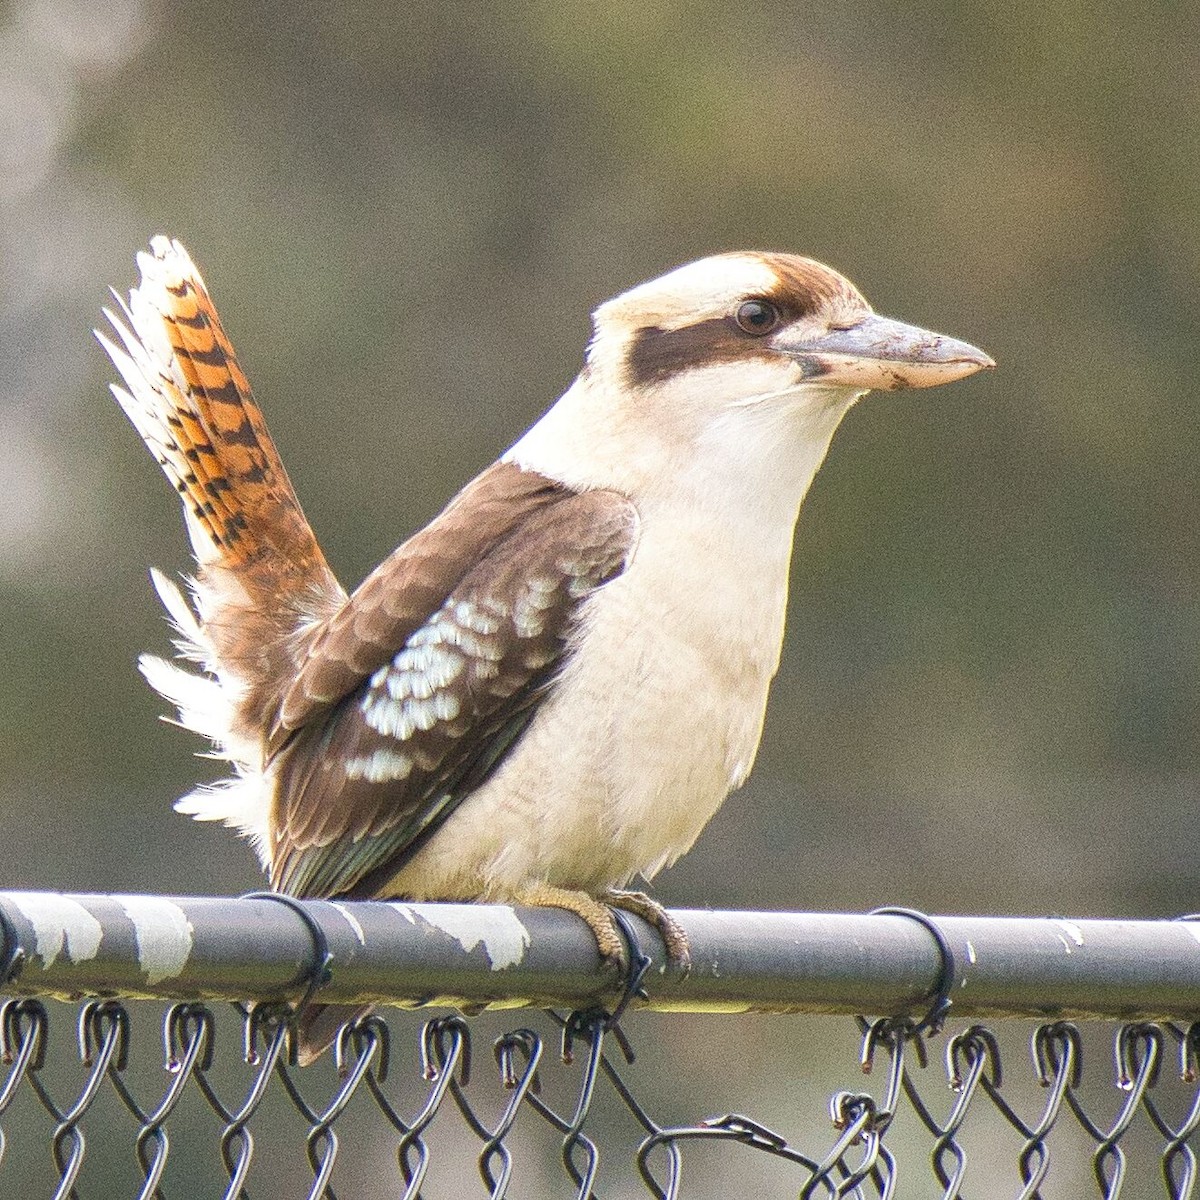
<point>405,214</point>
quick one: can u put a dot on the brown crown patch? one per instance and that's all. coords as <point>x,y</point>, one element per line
<point>809,287</point>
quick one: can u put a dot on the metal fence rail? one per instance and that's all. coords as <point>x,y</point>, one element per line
<point>217,1109</point>
<point>886,964</point>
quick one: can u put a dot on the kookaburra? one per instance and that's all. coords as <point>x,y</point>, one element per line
<point>549,690</point>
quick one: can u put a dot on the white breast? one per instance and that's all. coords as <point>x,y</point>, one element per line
<point>655,719</point>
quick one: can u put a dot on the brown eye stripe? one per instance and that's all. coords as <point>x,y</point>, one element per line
<point>655,355</point>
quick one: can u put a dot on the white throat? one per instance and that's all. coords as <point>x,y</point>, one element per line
<point>737,445</point>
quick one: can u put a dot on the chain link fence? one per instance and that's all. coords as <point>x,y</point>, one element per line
<point>193,1097</point>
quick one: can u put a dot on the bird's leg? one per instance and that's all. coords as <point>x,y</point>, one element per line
<point>599,919</point>
<point>679,953</point>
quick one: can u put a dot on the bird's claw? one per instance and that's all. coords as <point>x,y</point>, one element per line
<point>675,938</point>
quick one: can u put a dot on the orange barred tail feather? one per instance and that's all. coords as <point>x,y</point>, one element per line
<point>263,581</point>
<point>191,402</point>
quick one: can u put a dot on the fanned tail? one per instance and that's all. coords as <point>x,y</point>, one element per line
<point>263,581</point>
<point>190,401</point>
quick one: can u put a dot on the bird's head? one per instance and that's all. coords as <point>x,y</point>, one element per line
<point>736,315</point>
<point>736,363</point>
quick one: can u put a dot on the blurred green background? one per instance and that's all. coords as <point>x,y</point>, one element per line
<point>406,213</point>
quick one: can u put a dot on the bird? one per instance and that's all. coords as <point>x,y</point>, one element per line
<point>547,692</point>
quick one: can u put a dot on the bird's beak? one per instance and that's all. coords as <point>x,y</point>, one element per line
<point>881,353</point>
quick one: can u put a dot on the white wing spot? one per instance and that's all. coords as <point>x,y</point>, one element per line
<point>389,717</point>
<point>473,617</point>
<point>380,766</point>
<point>529,612</point>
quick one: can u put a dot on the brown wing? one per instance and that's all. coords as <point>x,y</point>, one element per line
<point>362,785</point>
<point>407,587</point>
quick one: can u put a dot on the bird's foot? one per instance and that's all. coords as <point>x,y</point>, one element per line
<point>613,933</point>
<point>679,953</point>
<point>597,916</point>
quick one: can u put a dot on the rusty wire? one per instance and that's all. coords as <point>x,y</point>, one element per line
<point>490,1106</point>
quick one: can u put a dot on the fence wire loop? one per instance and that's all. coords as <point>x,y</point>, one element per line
<point>269,1022</point>
<point>1057,1055</point>
<point>445,1044</point>
<point>639,966</point>
<point>856,1115</point>
<point>1189,1051</point>
<point>891,1033</point>
<point>24,1025</point>
<point>941,996</point>
<point>510,1050</point>
<point>99,1021</point>
<point>366,1034</point>
<point>966,1050</point>
<point>1136,1053</point>
<point>591,1023</point>
<point>319,972</point>
<point>187,1032</point>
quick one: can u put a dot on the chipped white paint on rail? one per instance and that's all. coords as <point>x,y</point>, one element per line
<point>1073,932</point>
<point>163,935</point>
<point>60,925</point>
<point>352,921</point>
<point>496,926</point>
<point>972,958</point>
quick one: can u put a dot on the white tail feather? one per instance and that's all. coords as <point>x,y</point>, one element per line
<point>191,642</point>
<point>241,804</point>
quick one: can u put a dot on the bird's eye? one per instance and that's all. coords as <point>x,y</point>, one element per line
<point>756,317</point>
